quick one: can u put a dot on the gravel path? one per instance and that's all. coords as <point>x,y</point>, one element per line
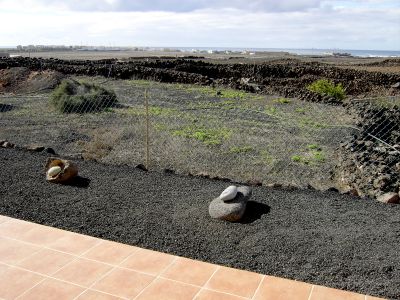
<point>322,238</point>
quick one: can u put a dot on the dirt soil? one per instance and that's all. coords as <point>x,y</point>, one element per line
<point>22,80</point>
<point>318,237</point>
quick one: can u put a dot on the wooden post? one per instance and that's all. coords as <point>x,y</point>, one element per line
<point>147,130</point>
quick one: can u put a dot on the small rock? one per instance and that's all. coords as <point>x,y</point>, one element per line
<point>254,182</point>
<point>396,85</point>
<point>389,198</point>
<point>232,210</point>
<point>50,151</point>
<point>6,144</point>
<point>229,193</point>
<point>141,167</point>
<point>35,148</point>
<point>169,171</point>
<point>274,185</point>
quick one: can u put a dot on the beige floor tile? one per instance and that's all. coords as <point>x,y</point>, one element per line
<point>46,261</point>
<point>213,295</point>
<point>74,243</point>
<point>274,288</point>
<point>12,251</point>
<point>42,235</point>
<point>51,289</point>
<point>15,228</point>
<point>168,290</point>
<point>147,261</point>
<point>14,282</point>
<point>325,293</point>
<point>236,282</point>
<point>123,283</point>
<point>190,271</point>
<point>4,219</point>
<point>373,298</point>
<point>82,272</point>
<point>110,252</point>
<point>95,295</point>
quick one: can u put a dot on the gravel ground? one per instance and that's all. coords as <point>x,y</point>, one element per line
<point>318,237</point>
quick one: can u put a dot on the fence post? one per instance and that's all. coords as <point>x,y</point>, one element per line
<point>147,130</point>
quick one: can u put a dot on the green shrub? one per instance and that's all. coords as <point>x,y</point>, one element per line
<point>208,136</point>
<point>72,96</point>
<point>327,87</point>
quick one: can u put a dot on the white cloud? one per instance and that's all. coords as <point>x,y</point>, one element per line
<point>351,27</point>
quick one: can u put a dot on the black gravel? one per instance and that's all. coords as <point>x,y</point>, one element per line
<point>318,237</point>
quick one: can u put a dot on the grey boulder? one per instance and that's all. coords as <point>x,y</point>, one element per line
<point>230,210</point>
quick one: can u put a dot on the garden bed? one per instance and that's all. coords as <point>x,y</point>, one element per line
<point>318,237</point>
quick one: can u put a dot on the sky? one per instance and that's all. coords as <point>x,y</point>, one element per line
<point>305,24</point>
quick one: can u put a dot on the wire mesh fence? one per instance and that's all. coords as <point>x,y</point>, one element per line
<point>213,131</point>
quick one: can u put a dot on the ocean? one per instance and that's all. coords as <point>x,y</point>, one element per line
<point>358,53</point>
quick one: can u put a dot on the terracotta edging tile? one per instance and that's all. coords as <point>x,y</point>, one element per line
<point>74,243</point>
<point>373,298</point>
<point>110,252</point>
<point>168,290</point>
<point>189,271</point>
<point>82,271</point>
<point>42,235</point>
<point>14,228</point>
<point>213,295</point>
<point>234,281</point>
<point>148,261</point>
<point>52,289</point>
<point>276,288</point>
<point>4,219</point>
<point>13,251</point>
<point>95,295</point>
<point>123,283</point>
<point>325,293</point>
<point>15,281</point>
<point>46,261</point>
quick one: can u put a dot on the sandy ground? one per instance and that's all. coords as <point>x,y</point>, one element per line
<point>323,238</point>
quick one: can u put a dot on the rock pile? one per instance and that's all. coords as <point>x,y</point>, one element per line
<point>367,165</point>
<point>285,77</point>
<point>231,204</point>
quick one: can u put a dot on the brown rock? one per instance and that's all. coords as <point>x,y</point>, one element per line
<point>389,198</point>
<point>68,170</point>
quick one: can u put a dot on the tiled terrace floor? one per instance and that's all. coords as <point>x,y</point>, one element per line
<point>39,262</point>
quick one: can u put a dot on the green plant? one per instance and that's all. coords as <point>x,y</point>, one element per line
<point>300,110</point>
<point>209,136</point>
<point>311,123</point>
<point>297,158</point>
<point>72,96</point>
<point>240,150</point>
<point>313,147</point>
<point>327,87</point>
<point>319,156</point>
<point>282,101</point>
<point>270,110</point>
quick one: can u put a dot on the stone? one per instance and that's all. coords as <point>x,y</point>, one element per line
<point>229,193</point>
<point>6,144</point>
<point>50,151</point>
<point>396,85</point>
<point>35,148</point>
<point>232,210</point>
<point>389,198</point>
<point>69,170</point>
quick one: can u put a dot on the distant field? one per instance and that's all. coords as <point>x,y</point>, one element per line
<point>221,132</point>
